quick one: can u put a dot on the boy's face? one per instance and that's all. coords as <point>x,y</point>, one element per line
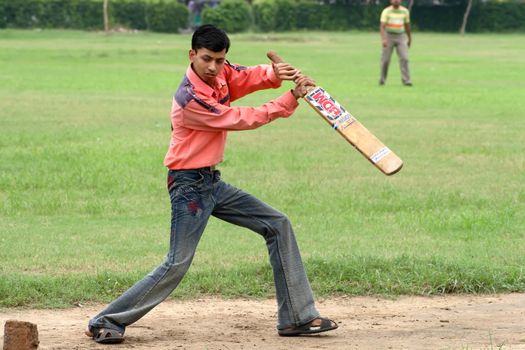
<point>207,64</point>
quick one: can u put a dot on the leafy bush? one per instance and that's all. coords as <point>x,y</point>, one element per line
<point>264,15</point>
<point>166,17</point>
<point>2,14</point>
<point>370,17</point>
<point>437,18</point>
<point>128,13</point>
<point>307,14</point>
<point>285,15</point>
<point>87,14</point>
<point>231,15</point>
<point>21,13</point>
<point>55,14</point>
<point>336,17</point>
<point>497,17</point>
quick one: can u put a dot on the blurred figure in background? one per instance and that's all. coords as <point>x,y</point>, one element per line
<point>395,32</point>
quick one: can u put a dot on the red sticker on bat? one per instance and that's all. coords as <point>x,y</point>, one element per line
<point>330,108</point>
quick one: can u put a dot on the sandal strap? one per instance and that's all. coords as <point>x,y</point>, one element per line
<point>326,323</point>
<point>108,333</point>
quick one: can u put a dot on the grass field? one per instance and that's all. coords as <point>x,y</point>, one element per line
<point>84,127</point>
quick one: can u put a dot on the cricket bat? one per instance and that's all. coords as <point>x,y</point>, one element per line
<point>349,127</point>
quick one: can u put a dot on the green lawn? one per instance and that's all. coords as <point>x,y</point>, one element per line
<point>84,127</point>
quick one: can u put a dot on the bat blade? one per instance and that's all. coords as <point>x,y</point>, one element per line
<point>353,131</point>
<point>350,128</point>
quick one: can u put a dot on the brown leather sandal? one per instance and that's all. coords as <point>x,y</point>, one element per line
<point>309,328</point>
<point>105,335</point>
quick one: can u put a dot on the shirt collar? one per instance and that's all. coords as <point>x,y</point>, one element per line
<point>201,86</point>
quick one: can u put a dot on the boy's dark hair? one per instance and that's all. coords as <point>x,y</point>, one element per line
<point>210,37</point>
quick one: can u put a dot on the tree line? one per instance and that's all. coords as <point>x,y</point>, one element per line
<point>261,15</point>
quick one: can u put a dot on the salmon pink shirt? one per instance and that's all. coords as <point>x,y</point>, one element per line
<point>201,114</point>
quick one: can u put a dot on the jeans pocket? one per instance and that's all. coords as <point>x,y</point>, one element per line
<point>184,178</point>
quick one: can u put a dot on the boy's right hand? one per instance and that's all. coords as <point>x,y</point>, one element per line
<point>301,86</point>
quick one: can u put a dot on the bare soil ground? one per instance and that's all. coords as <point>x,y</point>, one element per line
<point>448,322</point>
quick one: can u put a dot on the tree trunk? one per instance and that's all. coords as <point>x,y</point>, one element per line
<point>465,18</point>
<point>106,16</point>
<point>410,4</point>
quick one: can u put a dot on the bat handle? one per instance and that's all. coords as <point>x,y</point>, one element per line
<point>274,57</point>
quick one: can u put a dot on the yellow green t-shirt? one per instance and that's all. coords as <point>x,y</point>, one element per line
<point>395,19</point>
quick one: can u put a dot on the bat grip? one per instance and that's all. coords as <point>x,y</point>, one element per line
<point>275,58</point>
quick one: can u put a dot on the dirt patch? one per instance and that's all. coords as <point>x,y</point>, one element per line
<point>449,322</point>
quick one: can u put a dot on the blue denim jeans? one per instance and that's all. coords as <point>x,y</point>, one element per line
<point>195,196</point>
